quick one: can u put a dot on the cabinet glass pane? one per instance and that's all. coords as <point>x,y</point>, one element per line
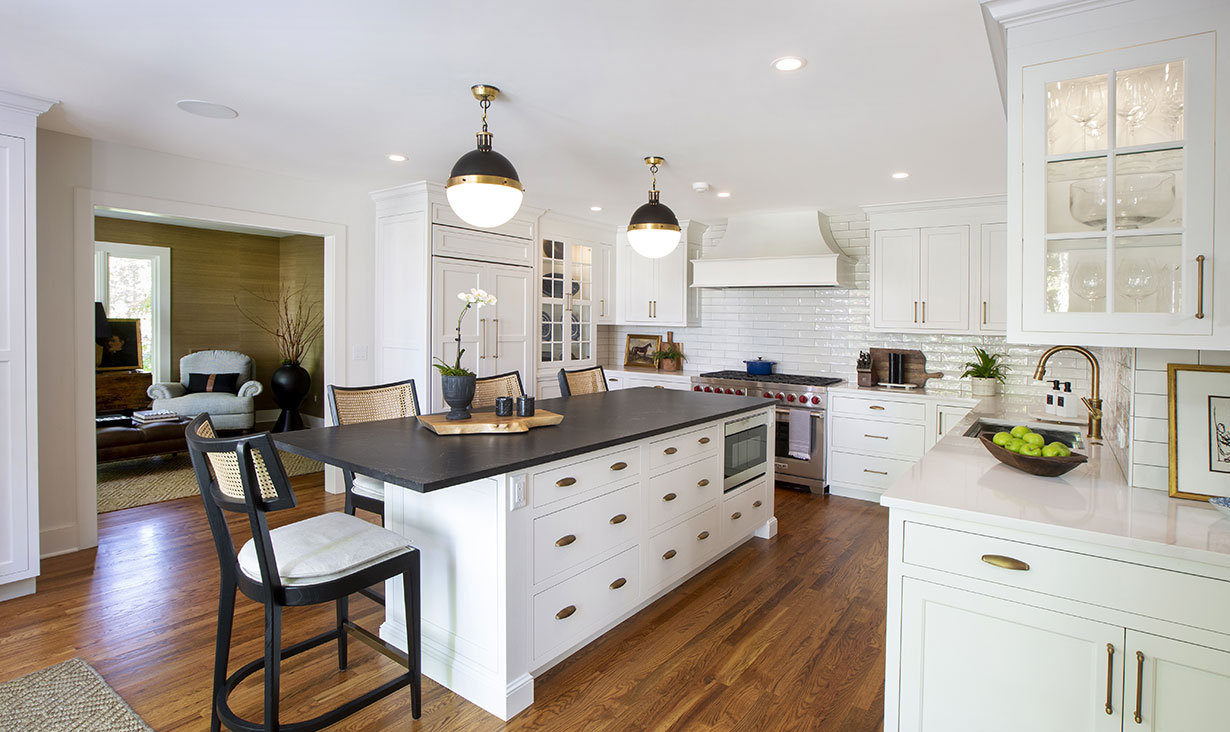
<point>1076,275</point>
<point>1076,118</point>
<point>552,269</point>
<point>1149,105</point>
<point>1149,188</point>
<point>552,332</point>
<point>581,276</point>
<point>1148,273</point>
<point>1072,195</point>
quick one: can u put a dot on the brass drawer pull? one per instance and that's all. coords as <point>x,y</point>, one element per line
<point>618,518</point>
<point>565,482</point>
<point>565,540</point>
<point>702,536</point>
<point>703,440</point>
<point>876,437</point>
<point>1110,676</point>
<point>736,516</point>
<point>1140,682</point>
<point>1199,299</point>
<point>757,504</point>
<point>669,497</point>
<point>619,466</point>
<point>566,612</point>
<point>999,560</point>
<point>703,482</point>
<point>670,451</point>
<point>619,583</point>
<point>670,554</point>
<point>877,472</point>
<point>876,407</point>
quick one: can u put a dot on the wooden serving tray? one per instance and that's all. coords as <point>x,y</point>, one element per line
<point>486,423</point>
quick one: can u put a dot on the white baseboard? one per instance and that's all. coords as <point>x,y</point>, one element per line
<point>58,540</point>
<point>17,589</point>
<point>863,494</point>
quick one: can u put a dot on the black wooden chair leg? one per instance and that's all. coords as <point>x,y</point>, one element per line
<point>222,651</point>
<point>343,615</point>
<point>273,664</point>
<point>414,640</point>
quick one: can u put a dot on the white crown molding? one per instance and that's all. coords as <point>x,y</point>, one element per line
<point>936,204</point>
<point>1012,13</point>
<point>25,103</point>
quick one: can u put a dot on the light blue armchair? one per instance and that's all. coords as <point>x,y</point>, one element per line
<point>227,411</point>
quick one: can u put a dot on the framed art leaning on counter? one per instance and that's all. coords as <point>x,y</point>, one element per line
<point>1199,403</point>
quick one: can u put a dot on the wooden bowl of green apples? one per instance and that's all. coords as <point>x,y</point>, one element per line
<point>1026,450</point>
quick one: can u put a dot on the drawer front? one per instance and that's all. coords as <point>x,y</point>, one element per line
<point>577,479</point>
<point>682,448</point>
<point>571,610</point>
<point>679,549</point>
<point>1134,588</point>
<point>465,244</point>
<point>862,406</point>
<point>745,512</point>
<point>566,538</point>
<point>876,437</point>
<point>442,213</point>
<point>674,493</point>
<point>871,471</point>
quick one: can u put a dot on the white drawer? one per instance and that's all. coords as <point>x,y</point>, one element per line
<point>1158,593</point>
<point>878,437</point>
<point>466,244</point>
<point>681,548</point>
<point>676,492</point>
<point>864,406</point>
<point>442,213</point>
<point>576,607</point>
<point>744,512</point>
<point>566,538</point>
<point>872,471</point>
<point>577,479</point>
<point>680,448</point>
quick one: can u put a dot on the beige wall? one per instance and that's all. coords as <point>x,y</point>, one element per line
<point>301,261</point>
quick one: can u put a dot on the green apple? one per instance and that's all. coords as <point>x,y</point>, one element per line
<point>1056,449</point>
<point>1033,438</point>
<point>1015,444</point>
<point>1031,450</point>
<point>1020,431</point>
<point>1001,438</point>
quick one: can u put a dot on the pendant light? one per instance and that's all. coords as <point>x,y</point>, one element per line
<point>653,231</point>
<point>483,188</point>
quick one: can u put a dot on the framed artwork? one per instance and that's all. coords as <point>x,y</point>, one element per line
<point>1199,401</point>
<point>641,351</point>
<point>122,350</point>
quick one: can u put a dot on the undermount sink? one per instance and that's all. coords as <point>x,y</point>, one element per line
<point>1070,436</point>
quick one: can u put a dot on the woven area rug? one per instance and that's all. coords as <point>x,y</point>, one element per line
<point>144,481</point>
<point>67,696</point>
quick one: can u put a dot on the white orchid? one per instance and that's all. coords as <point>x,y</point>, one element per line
<point>476,297</point>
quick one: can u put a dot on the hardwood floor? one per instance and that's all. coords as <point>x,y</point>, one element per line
<point>786,634</point>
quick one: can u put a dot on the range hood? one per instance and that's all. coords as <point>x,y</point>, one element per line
<point>793,249</point>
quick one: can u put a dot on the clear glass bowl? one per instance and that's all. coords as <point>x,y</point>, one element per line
<point>1140,198</point>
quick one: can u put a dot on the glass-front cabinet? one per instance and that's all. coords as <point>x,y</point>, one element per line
<point>568,305</point>
<point>1117,193</point>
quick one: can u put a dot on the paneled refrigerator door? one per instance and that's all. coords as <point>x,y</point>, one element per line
<point>449,277</point>
<point>510,323</point>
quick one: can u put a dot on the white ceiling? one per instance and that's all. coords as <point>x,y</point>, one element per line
<point>327,89</point>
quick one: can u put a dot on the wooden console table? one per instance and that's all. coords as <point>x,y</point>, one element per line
<point>118,391</point>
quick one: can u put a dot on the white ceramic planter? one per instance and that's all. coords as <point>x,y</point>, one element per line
<point>984,387</point>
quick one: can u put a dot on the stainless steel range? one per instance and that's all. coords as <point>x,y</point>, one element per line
<point>799,449</point>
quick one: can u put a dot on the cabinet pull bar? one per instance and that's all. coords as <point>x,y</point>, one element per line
<point>1199,293</point>
<point>670,451</point>
<point>602,305</point>
<point>877,437</point>
<point>482,338</point>
<point>670,554</point>
<point>702,536</point>
<point>758,504</point>
<point>984,312</point>
<point>619,583</point>
<point>619,465</point>
<point>876,407</point>
<point>565,482</point>
<point>924,311</point>
<point>736,516</point>
<point>1110,676</point>
<point>619,518</point>
<point>669,497</point>
<point>999,560</point>
<point>1140,681</point>
<point>877,472</point>
<point>566,612</point>
<point>702,482</point>
<point>565,540</point>
<point>915,311</point>
<point>703,440</point>
<point>497,336</point>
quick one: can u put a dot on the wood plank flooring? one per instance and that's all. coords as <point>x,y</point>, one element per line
<point>786,634</point>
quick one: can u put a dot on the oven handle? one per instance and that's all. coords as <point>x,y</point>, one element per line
<point>815,415</point>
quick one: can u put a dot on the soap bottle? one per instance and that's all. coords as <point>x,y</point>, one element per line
<point>1068,400</point>
<point>1051,395</point>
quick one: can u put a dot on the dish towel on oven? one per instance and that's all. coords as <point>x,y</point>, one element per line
<point>799,445</point>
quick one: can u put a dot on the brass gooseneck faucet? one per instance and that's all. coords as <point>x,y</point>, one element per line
<point>1093,402</point>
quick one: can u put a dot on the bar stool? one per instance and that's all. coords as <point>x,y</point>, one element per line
<point>582,381</point>
<point>488,388</point>
<point>354,404</point>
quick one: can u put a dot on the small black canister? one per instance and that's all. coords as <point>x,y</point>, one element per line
<point>525,406</point>
<point>896,368</point>
<point>503,406</point>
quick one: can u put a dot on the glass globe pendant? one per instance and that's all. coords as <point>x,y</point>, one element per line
<point>483,188</point>
<point>653,231</point>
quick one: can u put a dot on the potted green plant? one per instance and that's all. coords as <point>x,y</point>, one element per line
<point>670,357</point>
<point>456,381</point>
<point>986,373</point>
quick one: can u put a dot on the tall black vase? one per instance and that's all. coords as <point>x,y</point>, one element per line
<point>290,384</point>
<point>458,393</point>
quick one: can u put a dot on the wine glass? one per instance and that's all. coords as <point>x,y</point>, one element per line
<point>1135,98</point>
<point>1137,279</point>
<point>1089,280</point>
<point>1172,96</point>
<point>1086,105</point>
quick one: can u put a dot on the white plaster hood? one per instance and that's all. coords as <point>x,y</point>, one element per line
<point>794,249</point>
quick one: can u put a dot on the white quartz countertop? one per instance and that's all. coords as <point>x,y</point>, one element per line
<point>959,479</point>
<point>888,391</point>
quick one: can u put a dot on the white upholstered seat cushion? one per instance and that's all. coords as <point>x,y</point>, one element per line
<point>369,487</point>
<point>324,548</point>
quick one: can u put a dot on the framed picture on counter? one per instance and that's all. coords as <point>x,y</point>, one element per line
<point>1199,401</point>
<point>641,351</point>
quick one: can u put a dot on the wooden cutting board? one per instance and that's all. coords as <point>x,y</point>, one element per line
<point>486,423</point>
<point>914,366</point>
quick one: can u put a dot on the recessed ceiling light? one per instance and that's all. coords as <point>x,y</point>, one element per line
<point>397,157</point>
<point>206,109</point>
<point>901,175</point>
<point>723,194</point>
<point>789,63</point>
<point>595,208</point>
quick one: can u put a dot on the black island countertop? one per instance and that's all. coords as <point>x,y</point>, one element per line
<point>406,453</point>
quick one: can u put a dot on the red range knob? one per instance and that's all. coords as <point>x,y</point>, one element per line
<point>790,397</point>
<point>708,389</point>
<point>780,395</point>
<point>730,391</point>
<point>815,400</point>
<point>768,395</point>
<point>739,392</point>
<point>696,388</point>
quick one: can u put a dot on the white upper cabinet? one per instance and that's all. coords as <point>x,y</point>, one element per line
<point>944,278</point>
<point>658,291</point>
<point>993,300</point>
<point>895,256</point>
<point>604,283</point>
<point>1113,125</point>
<point>574,270</point>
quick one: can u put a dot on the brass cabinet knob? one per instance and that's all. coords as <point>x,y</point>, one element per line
<point>619,466</point>
<point>565,540</point>
<point>618,518</point>
<point>702,536</point>
<point>670,554</point>
<point>757,504</point>
<point>565,482</point>
<point>736,516</point>
<point>669,497</point>
<point>618,583</point>
<point>670,451</point>
<point>702,482</point>
<point>566,612</point>
<point>703,440</point>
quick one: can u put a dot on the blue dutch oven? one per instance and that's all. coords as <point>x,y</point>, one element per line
<point>760,367</point>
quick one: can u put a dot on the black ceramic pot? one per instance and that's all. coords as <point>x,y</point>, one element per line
<point>458,392</point>
<point>289,384</point>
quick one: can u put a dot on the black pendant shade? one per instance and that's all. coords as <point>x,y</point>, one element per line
<point>653,215</point>
<point>484,165</point>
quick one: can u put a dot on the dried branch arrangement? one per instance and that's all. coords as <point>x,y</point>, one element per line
<point>300,321</point>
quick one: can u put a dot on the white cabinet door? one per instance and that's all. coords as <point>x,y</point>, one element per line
<point>638,288</point>
<point>670,301</point>
<point>894,283</point>
<point>947,417</point>
<point>449,277</point>
<point>447,241</point>
<point>604,284</point>
<point>510,335</point>
<point>944,278</point>
<point>973,662</point>
<point>1182,687</point>
<point>993,279</point>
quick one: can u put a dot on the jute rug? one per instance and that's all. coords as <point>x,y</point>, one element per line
<point>144,481</point>
<point>67,697</point>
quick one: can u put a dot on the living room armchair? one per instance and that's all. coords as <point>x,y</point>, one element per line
<point>229,410</point>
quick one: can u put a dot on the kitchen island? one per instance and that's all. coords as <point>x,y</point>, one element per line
<point>534,544</point>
